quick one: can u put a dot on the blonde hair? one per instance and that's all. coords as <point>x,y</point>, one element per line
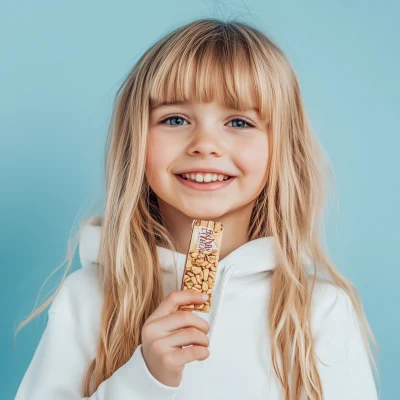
<point>232,62</point>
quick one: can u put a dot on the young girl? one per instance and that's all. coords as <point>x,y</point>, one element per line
<point>208,125</point>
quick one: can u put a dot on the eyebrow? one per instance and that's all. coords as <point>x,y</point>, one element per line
<point>178,103</point>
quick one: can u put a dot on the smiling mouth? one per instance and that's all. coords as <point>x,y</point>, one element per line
<point>205,186</point>
<point>205,179</point>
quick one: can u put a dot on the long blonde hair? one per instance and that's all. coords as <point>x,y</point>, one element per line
<point>233,62</point>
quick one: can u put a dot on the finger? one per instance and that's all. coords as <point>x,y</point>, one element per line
<point>189,354</point>
<point>183,319</point>
<point>186,337</point>
<point>176,299</point>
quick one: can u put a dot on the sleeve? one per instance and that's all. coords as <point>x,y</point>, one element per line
<point>342,360</point>
<point>60,362</point>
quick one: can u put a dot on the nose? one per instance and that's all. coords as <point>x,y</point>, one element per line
<point>205,143</point>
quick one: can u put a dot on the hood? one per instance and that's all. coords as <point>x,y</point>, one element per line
<point>255,256</point>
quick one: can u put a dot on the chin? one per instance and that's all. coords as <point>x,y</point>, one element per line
<point>205,215</point>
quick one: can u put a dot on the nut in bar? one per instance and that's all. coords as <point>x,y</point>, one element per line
<point>202,261</point>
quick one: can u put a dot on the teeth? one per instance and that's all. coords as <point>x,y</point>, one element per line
<point>208,177</point>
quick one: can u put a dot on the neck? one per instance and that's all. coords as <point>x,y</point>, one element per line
<point>235,225</point>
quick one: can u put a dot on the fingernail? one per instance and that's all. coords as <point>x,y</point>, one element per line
<point>204,296</point>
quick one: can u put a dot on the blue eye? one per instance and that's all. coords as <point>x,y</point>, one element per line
<point>242,121</point>
<point>173,117</point>
<point>179,118</point>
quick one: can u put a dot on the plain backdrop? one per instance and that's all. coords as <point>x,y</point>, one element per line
<point>61,64</point>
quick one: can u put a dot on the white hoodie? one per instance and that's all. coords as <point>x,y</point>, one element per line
<point>239,365</point>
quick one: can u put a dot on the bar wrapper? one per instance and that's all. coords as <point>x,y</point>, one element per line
<point>202,261</point>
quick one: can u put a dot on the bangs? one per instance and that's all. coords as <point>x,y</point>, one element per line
<point>219,66</point>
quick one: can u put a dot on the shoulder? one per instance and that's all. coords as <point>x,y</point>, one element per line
<point>341,347</point>
<point>331,305</point>
<point>80,296</point>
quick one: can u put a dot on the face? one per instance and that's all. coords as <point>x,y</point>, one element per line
<point>190,137</point>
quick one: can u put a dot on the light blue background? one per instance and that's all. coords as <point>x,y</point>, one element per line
<point>61,64</point>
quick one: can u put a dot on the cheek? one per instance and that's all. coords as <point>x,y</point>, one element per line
<point>253,162</point>
<point>160,155</point>
<point>253,159</point>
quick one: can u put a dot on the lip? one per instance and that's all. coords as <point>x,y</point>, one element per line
<point>205,187</point>
<point>204,171</point>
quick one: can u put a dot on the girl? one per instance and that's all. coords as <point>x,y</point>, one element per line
<point>208,125</point>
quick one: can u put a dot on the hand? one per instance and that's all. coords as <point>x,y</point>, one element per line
<point>167,330</point>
